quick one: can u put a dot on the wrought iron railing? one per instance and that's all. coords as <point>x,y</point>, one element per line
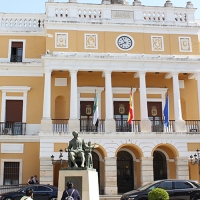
<point>12,128</point>
<point>11,188</point>
<point>158,126</point>
<point>192,125</point>
<point>60,125</point>
<point>86,125</point>
<point>124,126</point>
<point>15,58</point>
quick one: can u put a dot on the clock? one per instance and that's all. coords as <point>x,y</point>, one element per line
<point>125,42</point>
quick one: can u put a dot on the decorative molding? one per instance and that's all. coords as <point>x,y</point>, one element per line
<point>185,44</point>
<point>12,148</point>
<point>161,91</point>
<point>91,41</point>
<point>90,89</point>
<point>61,40</point>
<point>157,43</point>
<point>60,81</point>
<point>122,90</point>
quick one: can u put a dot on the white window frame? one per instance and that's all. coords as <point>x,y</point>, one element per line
<point>67,40</point>
<point>152,43</point>
<point>11,160</point>
<point>14,89</point>
<point>23,50</point>
<point>85,35</point>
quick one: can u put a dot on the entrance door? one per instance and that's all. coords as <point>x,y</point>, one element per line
<point>86,118</point>
<point>155,116</point>
<point>121,109</point>
<point>159,166</point>
<point>125,178</point>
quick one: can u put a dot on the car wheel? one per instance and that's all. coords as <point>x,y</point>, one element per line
<point>53,198</point>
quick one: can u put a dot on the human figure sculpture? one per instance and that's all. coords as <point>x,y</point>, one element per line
<point>88,152</point>
<point>76,149</point>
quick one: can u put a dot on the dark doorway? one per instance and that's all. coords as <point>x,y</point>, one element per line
<point>86,117</point>
<point>121,110</point>
<point>159,166</point>
<point>155,116</point>
<point>125,178</point>
<point>16,52</point>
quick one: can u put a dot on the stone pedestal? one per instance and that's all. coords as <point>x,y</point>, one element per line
<point>145,126</point>
<point>110,125</point>
<point>73,124</point>
<point>85,181</point>
<point>180,126</point>
<point>46,125</point>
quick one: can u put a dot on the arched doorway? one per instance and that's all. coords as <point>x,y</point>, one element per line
<point>124,172</point>
<point>159,166</point>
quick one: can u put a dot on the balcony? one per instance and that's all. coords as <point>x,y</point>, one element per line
<point>86,125</point>
<point>12,128</point>
<point>15,58</point>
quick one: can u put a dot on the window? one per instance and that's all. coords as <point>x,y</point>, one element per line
<point>11,173</point>
<point>16,52</point>
<point>43,189</point>
<point>183,185</point>
<point>166,185</point>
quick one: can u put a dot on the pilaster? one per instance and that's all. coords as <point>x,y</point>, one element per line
<point>46,171</point>
<point>182,169</point>
<point>146,170</point>
<point>110,176</point>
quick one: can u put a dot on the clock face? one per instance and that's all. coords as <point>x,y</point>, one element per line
<point>125,42</point>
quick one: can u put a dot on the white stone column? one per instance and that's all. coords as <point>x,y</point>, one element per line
<point>146,170</point>
<point>110,125</point>
<point>110,176</point>
<point>179,122</point>
<point>182,169</point>
<point>145,123</point>
<point>198,92</point>
<point>46,123</point>
<point>74,123</point>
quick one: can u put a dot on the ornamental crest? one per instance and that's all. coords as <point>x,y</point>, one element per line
<point>154,111</point>
<point>88,110</point>
<point>91,41</point>
<point>121,109</point>
<point>157,43</point>
<point>61,40</point>
<point>185,44</point>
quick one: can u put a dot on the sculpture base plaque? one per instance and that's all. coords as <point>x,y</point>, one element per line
<point>85,181</point>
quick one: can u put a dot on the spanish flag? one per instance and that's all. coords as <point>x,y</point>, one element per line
<point>130,114</point>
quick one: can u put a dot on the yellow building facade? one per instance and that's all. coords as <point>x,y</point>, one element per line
<point>52,64</point>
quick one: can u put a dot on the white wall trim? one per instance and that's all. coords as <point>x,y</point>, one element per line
<point>11,160</point>
<point>16,89</point>
<point>123,90</point>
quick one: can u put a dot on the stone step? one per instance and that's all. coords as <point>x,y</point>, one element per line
<point>110,197</point>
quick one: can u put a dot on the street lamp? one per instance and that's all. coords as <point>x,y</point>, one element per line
<point>196,158</point>
<point>60,161</point>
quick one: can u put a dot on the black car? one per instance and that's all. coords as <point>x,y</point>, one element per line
<point>40,192</point>
<point>177,189</point>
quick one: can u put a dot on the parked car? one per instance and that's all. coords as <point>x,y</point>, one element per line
<point>177,189</point>
<point>40,192</point>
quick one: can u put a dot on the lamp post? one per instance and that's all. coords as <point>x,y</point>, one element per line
<point>195,159</point>
<point>60,161</point>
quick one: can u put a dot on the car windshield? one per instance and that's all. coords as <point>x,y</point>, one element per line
<point>144,187</point>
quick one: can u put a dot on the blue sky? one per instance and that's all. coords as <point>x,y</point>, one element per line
<point>38,6</point>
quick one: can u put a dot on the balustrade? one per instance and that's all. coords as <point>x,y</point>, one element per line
<point>12,128</point>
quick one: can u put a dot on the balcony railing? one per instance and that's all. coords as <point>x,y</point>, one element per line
<point>192,125</point>
<point>124,126</point>
<point>12,128</point>
<point>158,126</point>
<point>60,125</point>
<point>86,125</point>
<point>15,58</point>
